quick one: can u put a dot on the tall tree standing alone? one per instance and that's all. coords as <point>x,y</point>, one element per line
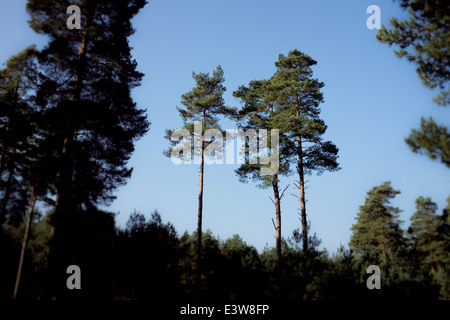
<point>299,97</point>
<point>203,104</point>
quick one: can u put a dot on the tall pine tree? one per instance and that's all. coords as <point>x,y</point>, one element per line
<point>258,112</point>
<point>202,107</point>
<point>91,118</point>
<point>299,97</point>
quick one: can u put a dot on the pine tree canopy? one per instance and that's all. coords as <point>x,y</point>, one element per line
<point>424,39</point>
<point>298,98</point>
<point>429,234</point>
<point>378,226</point>
<point>203,103</point>
<point>431,139</point>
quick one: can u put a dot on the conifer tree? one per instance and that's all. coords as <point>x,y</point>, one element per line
<point>424,39</point>
<point>18,131</point>
<point>299,97</point>
<point>92,121</point>
<point>21,148</point>
<point>203,104</point>
<point>378,227</point>
<point>428,232</point>
<point>260,108</point>
<point>431,139</point>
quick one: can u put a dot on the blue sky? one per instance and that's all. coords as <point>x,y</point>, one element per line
<point>372,101</point>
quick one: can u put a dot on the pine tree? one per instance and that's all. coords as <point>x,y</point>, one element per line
<point>431,139</point>
<point>258,112</point>
<point>92,121</point>
<point>21,152</point>
<point>378,227</point>
<point>299,97</point>
<point>18,131</point>
<point>203,104</point>
<point>427,230</point>
<point>424,39</point>
<point>443,277</point>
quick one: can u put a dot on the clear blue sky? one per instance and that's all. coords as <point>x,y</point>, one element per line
<point>372,101</point>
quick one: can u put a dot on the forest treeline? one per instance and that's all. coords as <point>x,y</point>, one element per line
<point>68,126</point>
<point>148,259</point>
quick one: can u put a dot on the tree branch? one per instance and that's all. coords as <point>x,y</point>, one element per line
<point>282,193</point>
<point>273,222</point>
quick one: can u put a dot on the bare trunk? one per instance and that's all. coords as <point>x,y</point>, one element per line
<point>303,203</point>
<point>276,195</point>
<point>200,210</point>
<point>25,238</point>
<point>301,181</point>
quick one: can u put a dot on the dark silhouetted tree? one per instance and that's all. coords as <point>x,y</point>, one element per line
<point>92,120</point>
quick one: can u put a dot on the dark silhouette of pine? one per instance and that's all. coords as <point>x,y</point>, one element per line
<point>92,122</point>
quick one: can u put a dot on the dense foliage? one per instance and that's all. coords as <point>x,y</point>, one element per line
<point>148,259</point>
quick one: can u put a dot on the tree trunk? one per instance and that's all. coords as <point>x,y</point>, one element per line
<point>276,195</point>
<point>200,211</point>
<point>301,181</point>
<point>25,238</point>
<point>302,201</point>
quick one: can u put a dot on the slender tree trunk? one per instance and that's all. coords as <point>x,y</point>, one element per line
<point>25,238</point>
<point>302,201</point>
<point>276,195</point>
<point>301,180</point>
<point>200,211</point>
